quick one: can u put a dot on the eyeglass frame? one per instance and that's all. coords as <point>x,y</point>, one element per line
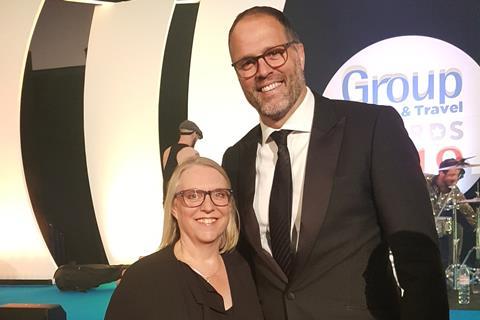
<point>256,58</point>
<point>205,192</point>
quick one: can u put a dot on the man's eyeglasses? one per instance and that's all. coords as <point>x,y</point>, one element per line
<point>274,57</point>
<point>193,198</point>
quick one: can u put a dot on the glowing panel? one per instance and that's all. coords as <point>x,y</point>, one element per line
<point>122,84</point>
<point>215,100</point>
<point>23,252</point>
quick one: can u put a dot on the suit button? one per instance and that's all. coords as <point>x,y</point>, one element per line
<point>290,295</point>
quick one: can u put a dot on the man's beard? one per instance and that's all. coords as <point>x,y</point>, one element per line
<point>278,109</point>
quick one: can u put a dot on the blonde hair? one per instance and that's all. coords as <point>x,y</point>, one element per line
<point>171,232</point>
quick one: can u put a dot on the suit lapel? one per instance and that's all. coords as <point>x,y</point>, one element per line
<point>324,148</point>
<point>247,174</point>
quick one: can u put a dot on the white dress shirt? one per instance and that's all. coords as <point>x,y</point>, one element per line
<point>301,123</point>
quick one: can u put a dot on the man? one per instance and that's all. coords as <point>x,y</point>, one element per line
<point>356,191</point>
<point>189,134</point>
<point>443,189</point>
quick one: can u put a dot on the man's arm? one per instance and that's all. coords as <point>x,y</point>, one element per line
<point>165,157</point>
<point>405,215</point>
<point>230,163</point>
<point>465,208</point>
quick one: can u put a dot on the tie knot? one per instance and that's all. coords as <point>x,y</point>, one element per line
<point>280,137</point>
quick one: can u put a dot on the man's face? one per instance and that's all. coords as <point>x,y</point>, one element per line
<point>195,139</point>
<point>450,177</point>
<point>274,93</point>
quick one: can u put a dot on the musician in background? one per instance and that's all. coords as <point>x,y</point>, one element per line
<point>443,189</point>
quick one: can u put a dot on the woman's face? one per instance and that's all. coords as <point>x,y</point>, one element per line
<point>206,223</point>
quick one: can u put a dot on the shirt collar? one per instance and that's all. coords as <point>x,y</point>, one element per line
<point>299,121</point>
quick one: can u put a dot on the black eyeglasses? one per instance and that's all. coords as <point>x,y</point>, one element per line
<point>275,58</point>
<point>193,198</point>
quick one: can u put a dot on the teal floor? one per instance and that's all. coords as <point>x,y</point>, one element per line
<point>93,304</point>
<point>90,305</point>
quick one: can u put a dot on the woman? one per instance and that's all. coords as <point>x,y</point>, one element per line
<point>196,274</point>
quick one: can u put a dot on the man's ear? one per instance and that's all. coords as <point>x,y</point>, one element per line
<point>301,54</point>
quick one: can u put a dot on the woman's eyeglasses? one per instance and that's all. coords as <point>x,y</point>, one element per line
<point>193,198</point>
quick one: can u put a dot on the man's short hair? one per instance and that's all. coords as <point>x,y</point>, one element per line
<point>189,127</point>
<point>450,164</point>
<point>447,163</point>
<point>268,11</point>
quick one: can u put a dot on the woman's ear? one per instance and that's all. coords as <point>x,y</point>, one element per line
<point>174,210</point>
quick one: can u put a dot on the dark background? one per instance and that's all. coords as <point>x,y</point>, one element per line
<point>333,31</point>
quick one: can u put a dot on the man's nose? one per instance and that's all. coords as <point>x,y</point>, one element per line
<point>263,69</point>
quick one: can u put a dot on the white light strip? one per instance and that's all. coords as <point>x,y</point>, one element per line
<point>186,1</point>
<point>97,2</point>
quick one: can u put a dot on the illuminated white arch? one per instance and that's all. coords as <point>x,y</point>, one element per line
<point>122,84</point>
<point>23,252</point>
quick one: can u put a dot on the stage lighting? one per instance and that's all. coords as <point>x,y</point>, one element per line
<point>97,1</point>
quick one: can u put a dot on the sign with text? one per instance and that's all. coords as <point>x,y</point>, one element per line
<point>433,86</point>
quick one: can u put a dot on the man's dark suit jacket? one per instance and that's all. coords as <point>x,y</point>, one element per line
<point>159,287</point>
<point>364,193</point>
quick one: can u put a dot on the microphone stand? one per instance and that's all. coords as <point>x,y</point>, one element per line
<point>454,266</point>
<point>477,227</point>
<point>475,271</point>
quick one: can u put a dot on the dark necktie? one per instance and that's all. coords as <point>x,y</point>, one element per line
<point>280,208</point>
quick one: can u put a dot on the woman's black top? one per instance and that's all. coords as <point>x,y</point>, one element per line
<point>161,287</point>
